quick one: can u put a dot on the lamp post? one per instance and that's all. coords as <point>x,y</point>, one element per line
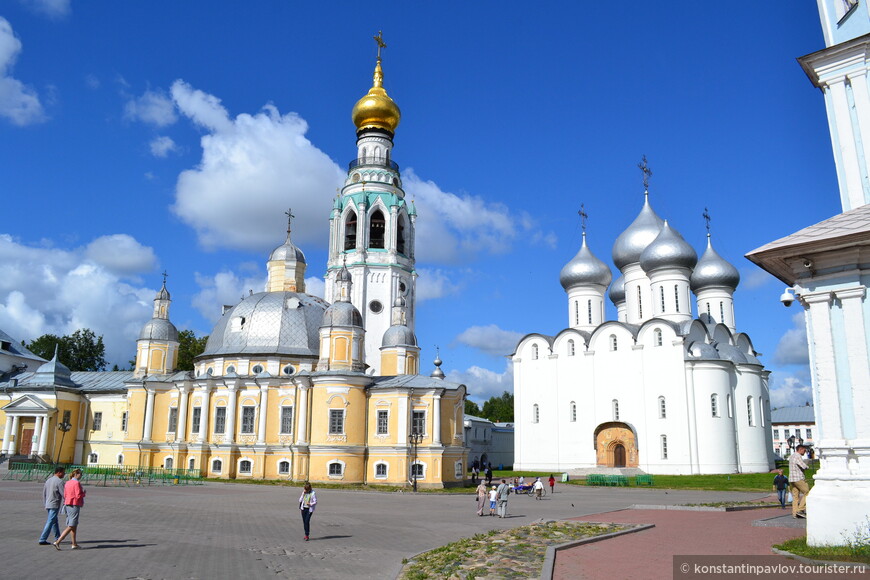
<point>63,428</point>
<point>414,439</point>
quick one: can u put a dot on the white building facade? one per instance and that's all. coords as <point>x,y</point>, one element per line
<point>793,426</point>
<point>658,389</point>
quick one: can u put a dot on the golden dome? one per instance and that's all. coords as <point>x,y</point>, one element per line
<point>376,109</point>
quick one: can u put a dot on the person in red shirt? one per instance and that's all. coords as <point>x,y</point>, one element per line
<point>73,500</point>
<point>552,484</point>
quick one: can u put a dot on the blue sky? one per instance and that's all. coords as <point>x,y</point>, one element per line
<point>142,136</point>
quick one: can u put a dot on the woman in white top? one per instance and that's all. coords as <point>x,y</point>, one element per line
<point>307,501</point>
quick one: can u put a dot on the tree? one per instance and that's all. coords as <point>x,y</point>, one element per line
<point>499,409</point>
<point>189,348</point>
<point>471,408</point>
<point>80,351</point>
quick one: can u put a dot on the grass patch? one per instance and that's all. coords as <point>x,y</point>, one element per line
<point>847,553</point>
<point>758,482</point>
<point>346,486</point>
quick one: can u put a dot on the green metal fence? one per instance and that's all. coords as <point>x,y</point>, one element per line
<point>109,474</point>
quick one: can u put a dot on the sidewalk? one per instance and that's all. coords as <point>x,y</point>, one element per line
<point>649,554</point>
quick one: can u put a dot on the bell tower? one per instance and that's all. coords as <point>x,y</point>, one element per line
<point>371,224</point>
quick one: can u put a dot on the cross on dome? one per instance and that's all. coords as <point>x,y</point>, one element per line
<point>647,173</point>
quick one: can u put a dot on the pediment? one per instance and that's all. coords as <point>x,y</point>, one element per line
<point>28,404</point>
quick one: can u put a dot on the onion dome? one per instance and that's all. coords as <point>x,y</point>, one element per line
<point>634,240</point>
<point>376,110</point>
<point>287,251</point>
<point>399,335</point>
<point>437,373</point>
<point>342,314</point>
<point>713,270</point>
<point>668,250</point>
<point>159,329</point>
<point>344,275</point>
<point>584,269</point>
<point>163,294</point>
<point>617,291</point>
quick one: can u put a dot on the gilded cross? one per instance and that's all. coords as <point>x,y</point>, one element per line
<point>583,217</point>
<point>707,219</point>
<point>381,44</point>
<point>647,172</point>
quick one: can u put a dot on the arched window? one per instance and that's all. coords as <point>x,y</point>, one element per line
<point>615,405</point>
<point>657,337</point>
<point>749,415</point>
<point>722,313</point>
<point>663,411</point>
<point>191,464</point>
<point>639,304</point>
<point>381,470</point>
<point>400,235</point>
<point>167,463</point>
<point>536,413</point>
<point>573,412</point>
<point>534,352</point>
<point>216,466</point>
<point>283,467</point>
<point>377,227</point>
<point>664,440</point>
<point>120,459</point>
<point>350,231</point>
<point>714,405</point>
<point>93,459</point>
<point>677,296</point>
<point>589,310</point>
<point>336,469</point>
<point>576,313</point>
<point>662,296</point>
<point>709,316</point>
<point>571,347</point>
<point>245,466</point>
<point>613,342</point>
<point>418,470</point>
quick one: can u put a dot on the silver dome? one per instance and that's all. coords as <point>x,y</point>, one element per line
<point>668,250</point>
<point>163,294</point>
<point>713,270</point>
<point>617,290</point>
<point>584,269</point>
<point>634,240</point>
<point>703,350</point>
<point>397,335</point>
<point>159,329</point>
<point>284,323</point>
<point>732,353</point>
<point>287,251</point>
<point>342,314</point>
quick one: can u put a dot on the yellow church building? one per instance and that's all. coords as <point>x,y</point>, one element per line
<point>290,386</point>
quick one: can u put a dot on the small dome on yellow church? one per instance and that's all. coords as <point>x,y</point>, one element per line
<point>376,110</point>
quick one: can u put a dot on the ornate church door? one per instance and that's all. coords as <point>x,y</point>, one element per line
<point>619,456</point>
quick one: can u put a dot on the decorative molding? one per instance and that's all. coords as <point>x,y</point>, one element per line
<point>336,438</point>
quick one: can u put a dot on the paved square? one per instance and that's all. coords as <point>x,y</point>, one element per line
<point>255,531</point>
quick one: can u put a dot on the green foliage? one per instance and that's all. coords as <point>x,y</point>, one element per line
<point>845,553</point>
<point>499,409</point>
<point>189,348</point>
<point>471,408</point>
<point>723,482</point>
<point>80,351</point>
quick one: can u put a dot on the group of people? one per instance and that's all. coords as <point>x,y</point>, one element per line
<point>66,498</point>
<point>795,484</point>
<point>497,495</point>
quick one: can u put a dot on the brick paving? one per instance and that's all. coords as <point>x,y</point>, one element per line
<point>251,531</point>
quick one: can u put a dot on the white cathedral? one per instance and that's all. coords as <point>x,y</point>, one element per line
<point>658,389</point>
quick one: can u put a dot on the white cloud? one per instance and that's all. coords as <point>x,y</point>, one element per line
<point>162,146</point>
<point>121,254</point>
<point>18,103</point>
<point>50,8</point>
<point>253,167</point>
<point>50,290</point>
<point>792,347</point>
<point>153,107</point>
<point>315,286</point>
<point>752,278</point>
<point>435,283</point>
<point>490,339</point>
<point>483,383</point>
<point>224,288</point>
<point>791,390</point>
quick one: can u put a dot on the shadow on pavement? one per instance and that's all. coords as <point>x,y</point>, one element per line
<point>329,538</point>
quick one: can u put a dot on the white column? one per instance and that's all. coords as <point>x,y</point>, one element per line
<point>13,444</point>
<point>204,414</point>
<point>851,171</point>
<point>7,435</point>
<point>824,368</point>
<point>856,351</point>
<point>261,426</point>
<point>231,415</point>
<point>436,420</point>
<point>37,436</point>
<point>302,412</point>
<point>861,98</point>
<point>181,429</point>
<point>149,416</point>
<point>43,436</point>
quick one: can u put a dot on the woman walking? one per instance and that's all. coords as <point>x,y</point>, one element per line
<point>307,501</point>
<point>481,497</point>
<point>73,500</point>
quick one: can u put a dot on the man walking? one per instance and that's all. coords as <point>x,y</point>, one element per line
<point>502,492</point>
<point>52,499</point>
<point>797,482</point>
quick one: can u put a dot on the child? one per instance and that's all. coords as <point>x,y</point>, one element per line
<point>780,483</point>
<point>493,496</point>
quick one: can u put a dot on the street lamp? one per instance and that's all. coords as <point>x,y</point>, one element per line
<point>414,439</point>
<point>63,428</point>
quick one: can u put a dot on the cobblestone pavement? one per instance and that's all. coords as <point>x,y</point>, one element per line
<point>252,531</point>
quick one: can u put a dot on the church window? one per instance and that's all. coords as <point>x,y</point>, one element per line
<point>124,421</point>
<point>245,466</point>
<point>377,227</point>
<point>216,466</point>
<point>657,337</point>
<point>231,369</point>
<point>196,419</point>
<point>714,405</point>
<point>98,421</point>
<point>336,469</point>
<point>534,352</point>
<point>93,458</point>
<point>350,231</point>
<point>615,406</point>
<point>663,411</point>
<point>376,306</point>
<point>336,421</point>
<point>381,470</point>
<point>571,347</point>
<point>172,424</point>
<point>120,459</point>
<point>289,370</point>
<point>257,369</point>
<point>573,412</point>
<point>677,297</point>
<point>383,422</point>
<point>749,415</point>
<point>248,419</point>
<point>220,420</point>
<point>191,464</point>
<point>418,471</point>
<point>168,463</point>
<point>613,342</point>
<point>664,440</point>
<point>536,413</point>
<point>709,316</point>
<point>576,313</point>
<point>286,420</point>
<point>283,467</point>
<point>400,235</point>
<point>662,296</point>
<point>418,422</point>
<point>728,404</point>
<point>589,311</point>
<point>639,304</point>
<point>809,433</point>
<point>722,313</point>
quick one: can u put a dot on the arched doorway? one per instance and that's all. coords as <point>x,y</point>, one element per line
<point>619,455</point>
<point>615,445</point>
